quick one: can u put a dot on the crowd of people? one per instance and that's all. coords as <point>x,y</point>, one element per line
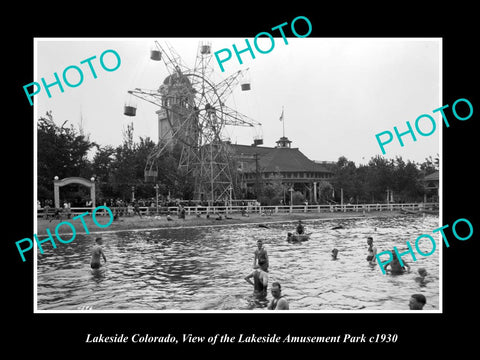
<point>138,207</point>
<point>279,302</point>
<point>259,277</point>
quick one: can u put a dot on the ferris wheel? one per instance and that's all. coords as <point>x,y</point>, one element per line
<point>193,114</point>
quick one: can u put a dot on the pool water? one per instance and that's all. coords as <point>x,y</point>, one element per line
<point>203,268</point>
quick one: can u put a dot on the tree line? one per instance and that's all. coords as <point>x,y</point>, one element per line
<point>66,151</point>
<point>380,179</point>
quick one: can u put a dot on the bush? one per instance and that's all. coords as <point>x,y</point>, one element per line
<point>298,198</point>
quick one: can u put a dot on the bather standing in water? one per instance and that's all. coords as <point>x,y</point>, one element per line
<point>261,257</point>
<point>372,250</point>
<point>279,302</point>
<point>395,267</point>
<point>96,253</point>
<point>260,282</point>
<point>300,228</point>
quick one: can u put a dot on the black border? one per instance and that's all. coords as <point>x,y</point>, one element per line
<point>51,332</point>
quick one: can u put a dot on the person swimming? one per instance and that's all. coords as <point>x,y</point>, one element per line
<point>395,267</point>
<point>334,254</point>
<point>96,253</point>
<point>421,279</point>
<point>417,302</point>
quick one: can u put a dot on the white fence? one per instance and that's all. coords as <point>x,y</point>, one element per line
<point>252,209</point>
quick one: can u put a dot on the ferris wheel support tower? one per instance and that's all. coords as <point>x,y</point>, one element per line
<point>193,113</point>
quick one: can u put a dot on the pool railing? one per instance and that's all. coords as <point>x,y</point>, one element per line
<point>252,209</point>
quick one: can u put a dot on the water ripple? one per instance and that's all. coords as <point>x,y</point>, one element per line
<point>191,269</point>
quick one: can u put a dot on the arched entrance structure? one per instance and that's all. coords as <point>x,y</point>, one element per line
<point>72,180</point>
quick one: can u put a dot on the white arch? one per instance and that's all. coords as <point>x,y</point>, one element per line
<point>57,184</point>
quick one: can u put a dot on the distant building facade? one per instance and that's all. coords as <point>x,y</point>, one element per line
<point>260,166</point>
<point>431,184</point>
<point>177,124</point>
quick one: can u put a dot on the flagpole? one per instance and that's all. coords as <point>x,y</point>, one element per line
<point>283,122</point>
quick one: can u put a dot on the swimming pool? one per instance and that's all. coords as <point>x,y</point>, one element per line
<point>204,268</point>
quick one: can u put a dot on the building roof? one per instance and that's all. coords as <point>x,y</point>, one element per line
<point>271,159</point>
<point>432,177</point>
<point>248,150</point>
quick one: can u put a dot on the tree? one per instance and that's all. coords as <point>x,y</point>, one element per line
<point>324,191</point>
<point>430,165</point>
<point>272,192</point>
<point>122,169</point>
<point>379,178</point>
<point>361,185</point>
<point>102,161</point>
<point>406,181</point>
<point>123,165</point>
<point>127,165</point>
<point>62,151</point>
<point>102,171</point>
<point>344,178</point>
<point>298,198</point>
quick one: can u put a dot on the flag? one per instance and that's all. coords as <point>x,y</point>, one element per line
<point>281,116</point>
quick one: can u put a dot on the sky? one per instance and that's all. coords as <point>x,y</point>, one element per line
<point>336,93</point>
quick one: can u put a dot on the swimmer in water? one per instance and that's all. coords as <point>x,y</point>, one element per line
<point>395,267</point>
<point>260,282</point>
<point>334,254</point>
<point>278,302</point>
<point>417,302</point>
<point>300,228</point>
<point>372,250</point>
<point>260,257</point>
<point>421,279</point>
<point>96,253</point>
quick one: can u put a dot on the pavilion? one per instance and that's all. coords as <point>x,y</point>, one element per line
<point>261,165</point>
